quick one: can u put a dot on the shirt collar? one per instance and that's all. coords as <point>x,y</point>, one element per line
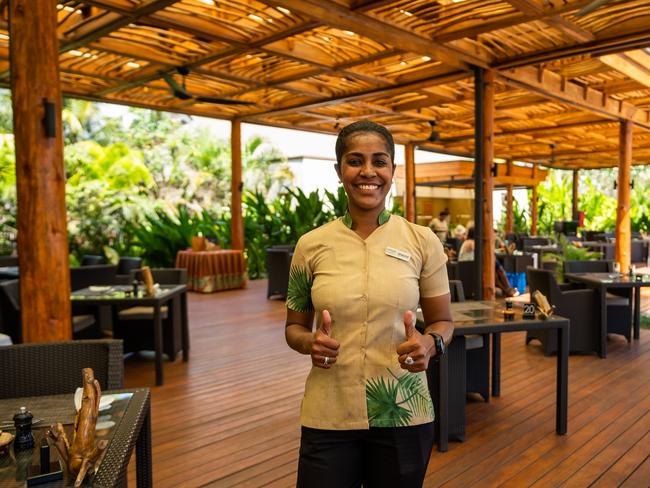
<point>381,220</point>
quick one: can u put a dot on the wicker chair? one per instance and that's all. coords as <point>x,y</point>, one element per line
<point>55,368</point>
<point>84,325</point>
<point>91,260</point>
<point>466,272</point>
<point>125,266</point>
<point>278,262</point>
<point>134,325</point>
<point>579,306</point>
<point>8,261</point>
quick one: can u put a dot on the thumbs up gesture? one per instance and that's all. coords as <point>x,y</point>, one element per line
<point>414,352</point>
<point>324,349</point>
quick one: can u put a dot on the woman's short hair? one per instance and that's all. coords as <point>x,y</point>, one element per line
<point>364,126</point>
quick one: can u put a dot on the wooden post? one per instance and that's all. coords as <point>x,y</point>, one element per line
<point>509,211</point>
<point>409,190</point>
<point>533,209</point>
<point>237,222</point>
<point>623,230</point>
<point>40,177</point>
<point>484,185</point>
<point>574,206</point>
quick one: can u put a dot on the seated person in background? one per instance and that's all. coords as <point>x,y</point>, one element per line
<point>439,225</point>
<point>466,253</point>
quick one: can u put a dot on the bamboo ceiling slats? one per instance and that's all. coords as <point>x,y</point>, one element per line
<point>562,79</point>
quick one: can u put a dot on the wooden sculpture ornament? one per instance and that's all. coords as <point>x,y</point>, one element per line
<point>81,456</point>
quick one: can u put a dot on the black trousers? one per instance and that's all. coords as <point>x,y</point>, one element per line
<point>391,457</point>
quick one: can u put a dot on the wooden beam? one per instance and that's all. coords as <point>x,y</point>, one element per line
<point>574,195</point>
<point>409,192</point>
<point>236,187</point>
<point>340,17</point>
<point>509,199</point>
<point>634,65</point>
<point>533,210</point>
<point>555,87</point>
<point>375,92</point>
<point>623,229</point>
<point>40,177</point>
<point>459,31</point>
<point>598,47</point>
<point>484,86</point>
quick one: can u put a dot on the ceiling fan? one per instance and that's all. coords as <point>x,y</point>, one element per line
<point>590,7</point>
<point>181,92</point>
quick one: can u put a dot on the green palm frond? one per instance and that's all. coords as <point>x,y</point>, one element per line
<point>299,291</point>
<point>383,408</point>
<point>415,393</point>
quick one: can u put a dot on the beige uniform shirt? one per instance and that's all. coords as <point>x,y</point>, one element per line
<point>366,285</point>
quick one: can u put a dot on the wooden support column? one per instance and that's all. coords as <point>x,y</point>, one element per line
<point>623,230</point>
<point>40,177</point>
<point>237,222</point>
<point>533,209</point>
<point>509,212</point>
<point>484,121</point>
<point>409,190</point>
<point>574,201</point>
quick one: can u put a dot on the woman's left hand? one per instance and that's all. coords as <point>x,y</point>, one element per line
<point>415,352</point>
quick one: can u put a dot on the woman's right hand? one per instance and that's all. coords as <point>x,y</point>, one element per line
<point>324,349</point>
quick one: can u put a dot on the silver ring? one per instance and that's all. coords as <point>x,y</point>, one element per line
<point>326,361</point>
<point>408,360</point>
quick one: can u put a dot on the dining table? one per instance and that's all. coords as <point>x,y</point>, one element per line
<point>602,282</point>
<point>121,296</point>
<point>447,373</point>
<point>125,422</point>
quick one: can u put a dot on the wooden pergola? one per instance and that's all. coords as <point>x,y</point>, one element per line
<point>556,83</point>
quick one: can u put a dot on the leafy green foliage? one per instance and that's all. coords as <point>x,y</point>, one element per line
<point>569,252</point>
<point>163,232</point>
<point>520,218</point>
<point>554,197</point>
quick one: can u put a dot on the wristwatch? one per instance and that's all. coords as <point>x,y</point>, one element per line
<point>439,343</point>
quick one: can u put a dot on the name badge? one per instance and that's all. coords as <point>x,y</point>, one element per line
<point>396,253</point>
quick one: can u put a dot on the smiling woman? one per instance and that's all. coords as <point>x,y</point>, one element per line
<point>367,414</point>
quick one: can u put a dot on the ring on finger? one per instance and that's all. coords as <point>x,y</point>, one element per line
<point>409,360</point>
<point>326,361</point>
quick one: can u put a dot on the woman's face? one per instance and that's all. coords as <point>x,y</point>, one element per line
<point>366,171</point>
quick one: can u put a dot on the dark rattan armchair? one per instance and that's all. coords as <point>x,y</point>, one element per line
<point>55,368</point>
<point>85,324</point>
<point>579,306</point>
<point>278,262</point>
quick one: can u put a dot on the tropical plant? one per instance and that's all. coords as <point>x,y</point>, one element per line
<point>554,197</point>
<point>520,219</point>
<point>569,252</point>
<point>165,231</point>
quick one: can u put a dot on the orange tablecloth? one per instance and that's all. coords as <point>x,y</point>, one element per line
<point>209,271</point>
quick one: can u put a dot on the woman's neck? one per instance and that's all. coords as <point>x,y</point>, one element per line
<point>364,222</point>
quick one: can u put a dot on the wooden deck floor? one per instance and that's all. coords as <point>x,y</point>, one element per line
<point>229,417</point>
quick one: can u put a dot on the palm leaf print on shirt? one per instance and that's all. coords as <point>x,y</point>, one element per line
<point>299,291</point>
<point>393,402</point>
